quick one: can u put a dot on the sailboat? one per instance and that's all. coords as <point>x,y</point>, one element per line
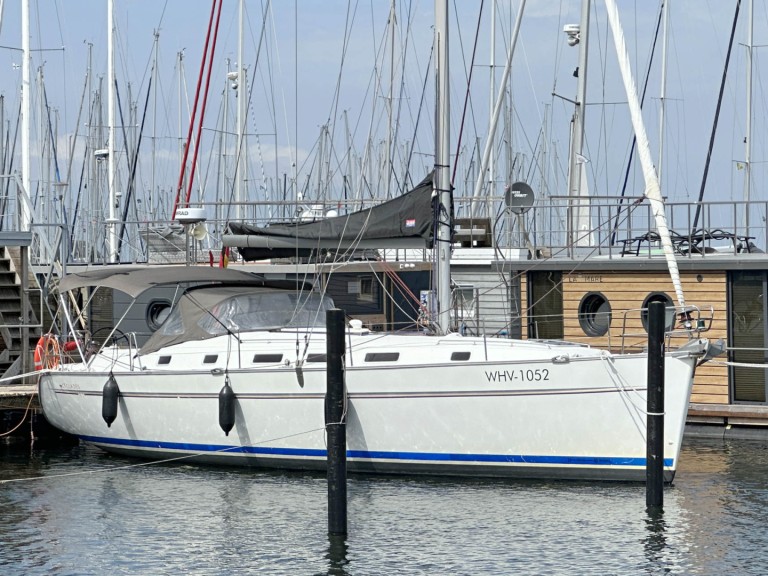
<point>236,375</point>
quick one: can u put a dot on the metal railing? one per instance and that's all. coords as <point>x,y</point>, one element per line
<point>613,226</point>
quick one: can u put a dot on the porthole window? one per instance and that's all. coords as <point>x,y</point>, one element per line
<point>157,312</point>
<point>669,316</point>
<point>595,314</point>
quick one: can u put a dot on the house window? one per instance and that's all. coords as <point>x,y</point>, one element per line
<point>363,288</point>
<point>545,305</point>
<point>669,316</point>
<point>595,314</point>
<point>748,336</point>
<point>464,302</point>
<point>157,312</point>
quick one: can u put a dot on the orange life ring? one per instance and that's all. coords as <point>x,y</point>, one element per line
<point>47,352</point>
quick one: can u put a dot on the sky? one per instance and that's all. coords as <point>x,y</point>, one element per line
<point>327,86</point>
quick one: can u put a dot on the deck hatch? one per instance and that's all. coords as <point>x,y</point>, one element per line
<point>382,356</point>
<point>267,358</point>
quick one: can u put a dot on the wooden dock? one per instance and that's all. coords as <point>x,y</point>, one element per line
<point>13,397</point>
<point>22,419</point>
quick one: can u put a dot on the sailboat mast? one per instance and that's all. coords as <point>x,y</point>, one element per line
<point>242,93</point>
<point>442,177</point>
<point>491,102</point>
<point>748,135</point>
<point>112,221</point>
<point>485,161</point>
<point>26,111</point>
<point>576,161</point>
<point>663,91</point>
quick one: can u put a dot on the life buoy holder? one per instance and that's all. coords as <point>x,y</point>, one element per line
<point>47,352</point>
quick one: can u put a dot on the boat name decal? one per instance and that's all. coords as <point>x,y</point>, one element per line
<point>69,386</point>
<point>597,278</point>
<point>519,375</point>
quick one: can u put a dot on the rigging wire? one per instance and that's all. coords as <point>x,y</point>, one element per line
<point>188,142</point>
<point>717,116</point>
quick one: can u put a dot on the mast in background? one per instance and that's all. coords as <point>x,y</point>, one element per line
<point>26,110</point>
<point>748,136</point>
<point>663,91</point>
<point>242,94</point>
<point>112,220</point>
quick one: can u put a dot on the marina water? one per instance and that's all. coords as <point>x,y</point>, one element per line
<point>80,511</point>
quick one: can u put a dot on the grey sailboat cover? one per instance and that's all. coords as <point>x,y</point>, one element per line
<point>405,221</point>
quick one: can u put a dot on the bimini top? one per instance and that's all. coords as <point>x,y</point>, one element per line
<point>133,280</point>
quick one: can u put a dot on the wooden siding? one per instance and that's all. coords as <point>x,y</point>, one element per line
<point>626,292</point>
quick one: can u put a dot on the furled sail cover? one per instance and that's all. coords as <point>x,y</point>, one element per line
<point>403,222</point>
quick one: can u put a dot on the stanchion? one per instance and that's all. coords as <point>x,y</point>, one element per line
<point>335,423</point>
<point>654,460</point>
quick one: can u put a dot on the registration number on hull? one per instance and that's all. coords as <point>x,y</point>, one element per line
<point>518,375</point>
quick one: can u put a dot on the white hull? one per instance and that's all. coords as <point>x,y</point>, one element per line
<point>510,410</point>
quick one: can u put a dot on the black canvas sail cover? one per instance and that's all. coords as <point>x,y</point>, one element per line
<point>403,222</point>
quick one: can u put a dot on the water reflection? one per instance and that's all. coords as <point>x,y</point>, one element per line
<point>337,555</point>
<point>655,542</point>
<point>196,520</point>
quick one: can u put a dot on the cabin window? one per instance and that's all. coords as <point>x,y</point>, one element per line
<point>595,314</point>
<point>210,358</point>
<point>382,356</point>
<point>157,312</point>
<point>669,317</point>
<point>163,360</point>
<point>316,358</point>
<point>460,356</point>
<point>267,358</point>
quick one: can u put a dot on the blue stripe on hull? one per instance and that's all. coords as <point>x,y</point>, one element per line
<point>378,455</point>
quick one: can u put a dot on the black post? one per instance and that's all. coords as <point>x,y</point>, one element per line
<point>335,423</point>
<point>654,462</point>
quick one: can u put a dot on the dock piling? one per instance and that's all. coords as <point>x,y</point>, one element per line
<point>335,423</point>
<point>654,461</point>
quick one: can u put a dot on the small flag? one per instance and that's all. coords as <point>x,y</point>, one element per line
<point>410,223</point>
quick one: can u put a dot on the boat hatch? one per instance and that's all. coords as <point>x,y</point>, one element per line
<point>382,356</point>
<point>267,358</point>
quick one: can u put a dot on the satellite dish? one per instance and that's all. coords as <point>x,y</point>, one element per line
<point>519,197</point>
<point>199,231</point>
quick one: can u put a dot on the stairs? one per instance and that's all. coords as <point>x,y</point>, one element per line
<point>11,316</point>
